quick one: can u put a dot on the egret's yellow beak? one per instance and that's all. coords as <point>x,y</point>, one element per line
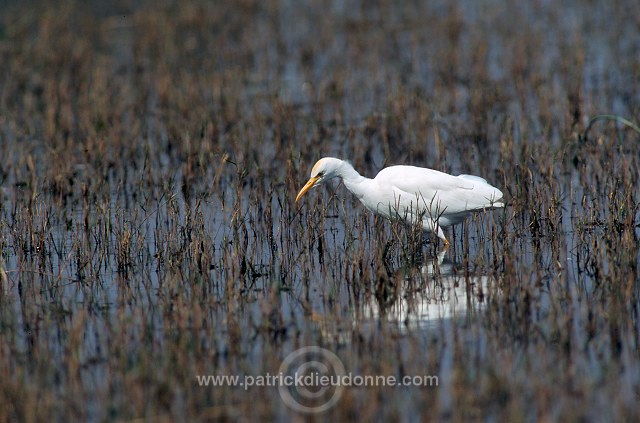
<point>307,187</point>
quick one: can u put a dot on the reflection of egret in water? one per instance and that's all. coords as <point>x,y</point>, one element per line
<point>419,298</point>
<point>427,297</point>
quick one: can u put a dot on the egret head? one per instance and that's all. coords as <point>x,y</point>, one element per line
<point>324,169</point>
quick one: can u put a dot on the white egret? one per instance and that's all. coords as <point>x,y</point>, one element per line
<point>414,194</point>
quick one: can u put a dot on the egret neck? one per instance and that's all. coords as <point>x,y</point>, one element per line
<point>354,182</point>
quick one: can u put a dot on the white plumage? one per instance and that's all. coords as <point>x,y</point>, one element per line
<point>410,193</point>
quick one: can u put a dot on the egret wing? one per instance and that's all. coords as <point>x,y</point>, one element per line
<point>473,178</point>
<point>438,191</point>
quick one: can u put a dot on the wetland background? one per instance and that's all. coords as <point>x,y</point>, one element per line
<point>150,154</point>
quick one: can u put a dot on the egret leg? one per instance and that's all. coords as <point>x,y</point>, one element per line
<point>433,226</point>
<point>442,237</point>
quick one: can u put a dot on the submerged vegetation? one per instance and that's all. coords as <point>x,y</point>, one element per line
<point>151,152</point>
